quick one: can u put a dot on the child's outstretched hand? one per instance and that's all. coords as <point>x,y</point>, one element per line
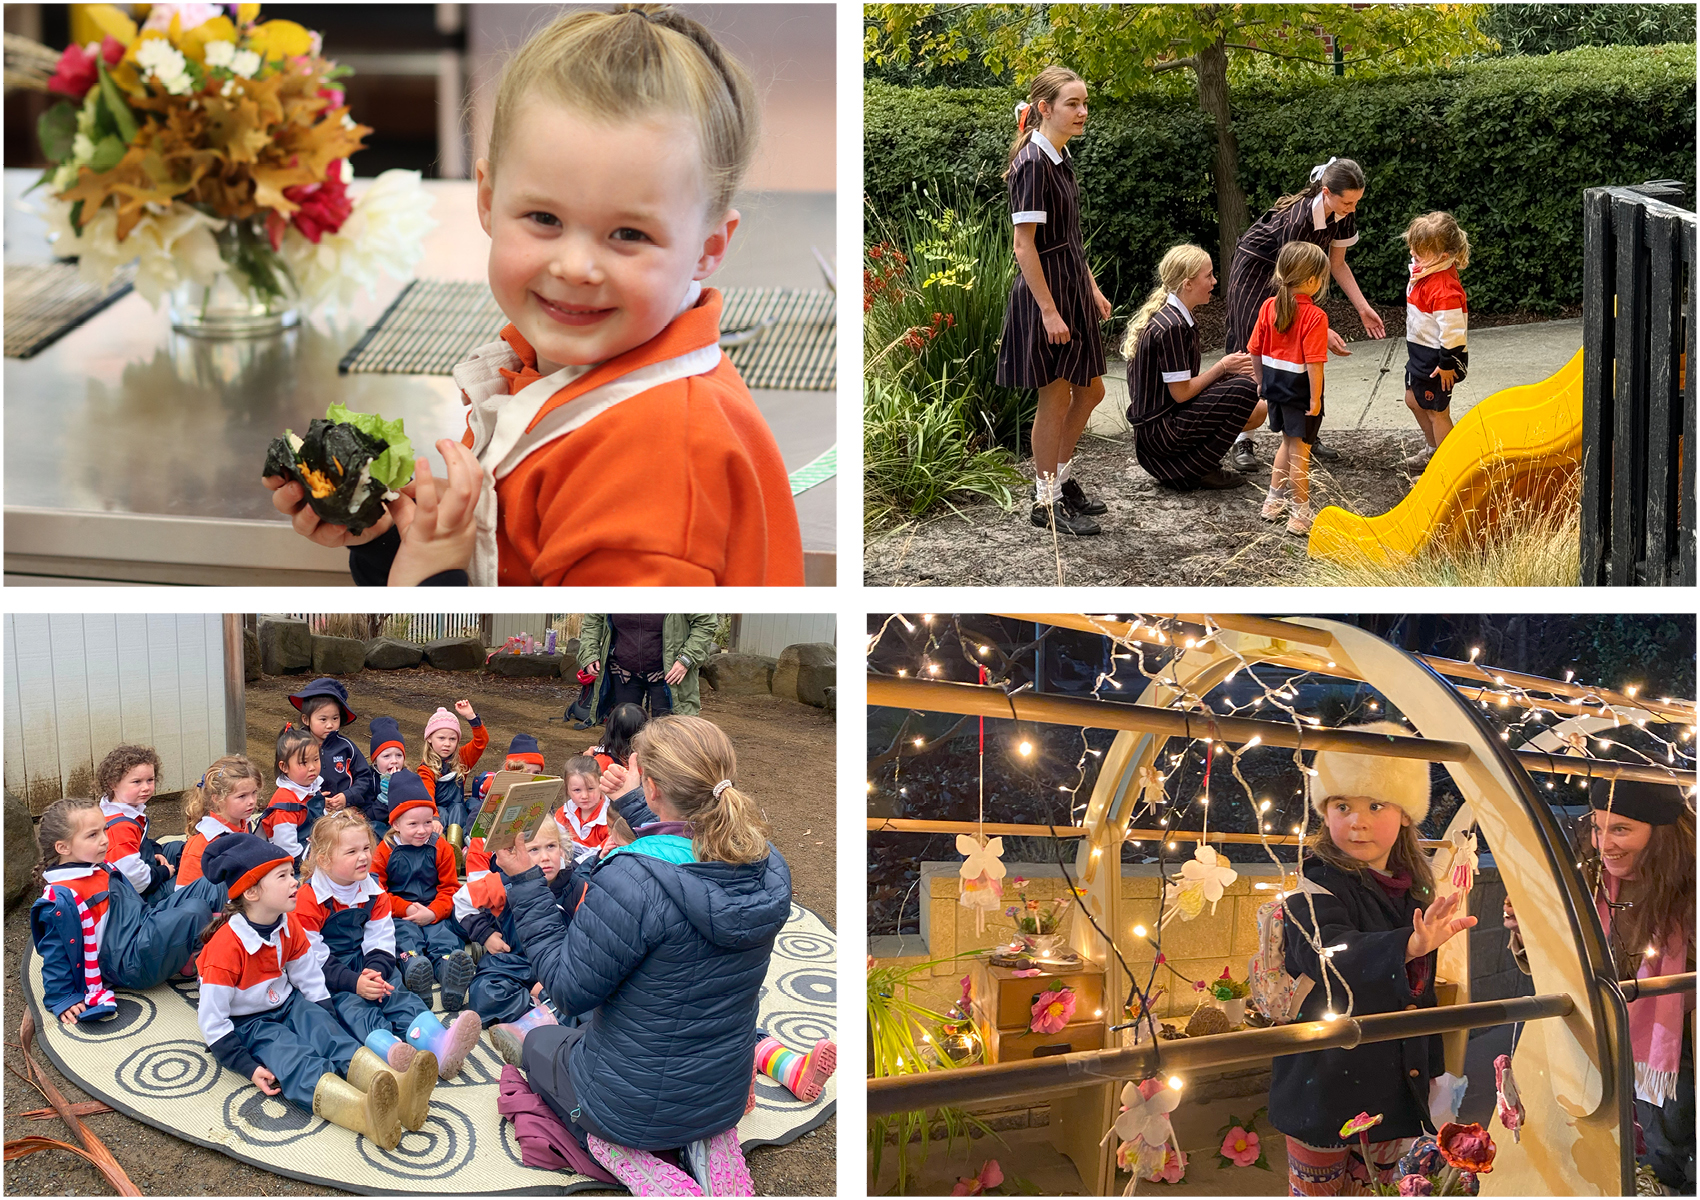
<point>290,499</point>
<point>372,986</point>
<point>265,1081</point>
<point>464,708</point>
<point>438,521</point>
<point>70,1015</point>
<point>1434,927</point>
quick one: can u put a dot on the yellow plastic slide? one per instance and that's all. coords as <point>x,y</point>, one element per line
<point>1523,444</point>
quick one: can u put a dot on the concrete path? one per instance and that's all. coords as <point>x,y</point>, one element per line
<point>1366,390</point>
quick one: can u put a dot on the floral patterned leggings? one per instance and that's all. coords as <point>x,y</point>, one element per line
<point>1340,1170</point>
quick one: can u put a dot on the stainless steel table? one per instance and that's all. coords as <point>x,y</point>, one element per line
<point>133,454</point>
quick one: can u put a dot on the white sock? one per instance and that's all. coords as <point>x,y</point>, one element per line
<point>1063,470</point>
<point>1045,489</point>
<point>1244,437</point>
<point>1278,493</point>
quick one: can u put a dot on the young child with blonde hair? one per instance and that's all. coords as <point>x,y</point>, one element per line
<point>1437,321</point>
<point>609,439</point>
<point>1289,349</point>
<point>221,803</point>
<point>445,773</point>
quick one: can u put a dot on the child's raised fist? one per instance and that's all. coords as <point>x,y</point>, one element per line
<point>464,708</point>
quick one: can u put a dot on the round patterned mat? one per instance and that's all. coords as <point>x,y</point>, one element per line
<point>150,1063</point>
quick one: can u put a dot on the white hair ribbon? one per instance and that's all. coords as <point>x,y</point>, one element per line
<point>1316,171</point>
<point>721,787</point>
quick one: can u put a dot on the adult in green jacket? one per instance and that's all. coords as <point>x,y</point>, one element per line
<point>620,649</point>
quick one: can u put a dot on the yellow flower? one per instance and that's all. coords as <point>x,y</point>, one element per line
<point>193,43</point>
<point>245,13</point>
<point>280,39</point>
<point>91,22</point>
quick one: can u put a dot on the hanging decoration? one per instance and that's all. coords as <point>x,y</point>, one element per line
<point>1203,878</point>
<point>1509,1107</point>
<point>1464,859</point>
<point>982,869</point>
<point>1145,1133</point>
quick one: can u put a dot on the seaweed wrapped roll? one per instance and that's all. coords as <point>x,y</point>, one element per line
<point>349,464</point>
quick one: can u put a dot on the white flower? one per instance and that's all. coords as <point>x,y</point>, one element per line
<point>384,235</point>
<point>1203,878</point>
<point>245,63</point>
<point>166,63</point>
<point>172,247</point>
<point>984,860</point>
<point>219,53</point>
<point>1145,1120</point>
<point>81,149</point>
<point>228,89</point>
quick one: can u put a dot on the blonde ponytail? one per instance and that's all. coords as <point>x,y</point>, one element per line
<point>1298,263</point>
<point>1180,265</point>
<point>692,764</point>
<point>218,782</point>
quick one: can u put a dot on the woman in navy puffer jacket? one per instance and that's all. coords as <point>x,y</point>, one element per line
<point>666,955</point>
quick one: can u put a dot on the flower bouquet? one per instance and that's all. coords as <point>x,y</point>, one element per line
<point>1039,923</point>
<point>213,149</point>
<point>1447,1165</point>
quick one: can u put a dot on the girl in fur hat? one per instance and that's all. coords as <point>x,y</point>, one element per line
<point>1366,902</point>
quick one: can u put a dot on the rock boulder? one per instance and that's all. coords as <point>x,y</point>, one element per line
<point>250,656</point>
<point>393,654</point>
<point>286,645</point>
<point>805,671</point>
<point>338,655</point>
<point>526,666</point>
<point>740,674</point>
<point>455,654</point>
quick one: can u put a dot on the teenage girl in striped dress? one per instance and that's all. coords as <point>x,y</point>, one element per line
<point>1051,340</point>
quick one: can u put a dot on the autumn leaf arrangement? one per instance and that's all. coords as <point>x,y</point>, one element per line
<point>201,145</point>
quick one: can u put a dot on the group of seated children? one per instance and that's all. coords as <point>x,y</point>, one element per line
<point>319,928</point>
<point>1288,351</point>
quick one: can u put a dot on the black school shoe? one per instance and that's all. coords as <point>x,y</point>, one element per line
<point>1077,525</point>
<point>1325,453</point>
<point>1243,458</point>
<point>1079,503</point>
<point>1221,479</point>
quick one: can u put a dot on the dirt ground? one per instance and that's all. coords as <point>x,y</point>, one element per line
<point>786,760</point>
<point>1152,536</point>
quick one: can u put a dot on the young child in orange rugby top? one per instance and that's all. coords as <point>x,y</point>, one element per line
<point>221,803</point>
<point>612,441</point>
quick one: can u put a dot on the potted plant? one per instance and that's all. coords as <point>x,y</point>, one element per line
<point>1039,923</point>
<point>1228,994</point>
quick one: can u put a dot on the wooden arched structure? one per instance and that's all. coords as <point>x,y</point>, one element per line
<point>1576,1074</point>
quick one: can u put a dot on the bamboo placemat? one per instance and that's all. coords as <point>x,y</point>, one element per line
<point>434,323</point>
<point>45,301</point>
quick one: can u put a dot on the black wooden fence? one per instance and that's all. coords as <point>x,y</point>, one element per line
<point>1638,338</point>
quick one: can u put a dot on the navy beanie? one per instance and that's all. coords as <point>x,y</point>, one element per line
<point>407,791</point>
<point>240,860</point>
<point>386,733</point>
<point>525,748</point>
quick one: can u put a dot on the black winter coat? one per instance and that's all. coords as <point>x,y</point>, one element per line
<point>1314,1093</point>
<point>668,959</point>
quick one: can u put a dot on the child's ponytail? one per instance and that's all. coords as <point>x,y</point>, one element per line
<point>692,764</point>
<point>1047,85</point>
<point>218,782</point>
<point>57,824</point>
<point>1298,263</point>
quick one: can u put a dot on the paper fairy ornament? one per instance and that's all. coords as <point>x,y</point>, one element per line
<point>982,874</point>
<point>1463,859</point>
<point>1509,1106</point>
<point>1203,878</point>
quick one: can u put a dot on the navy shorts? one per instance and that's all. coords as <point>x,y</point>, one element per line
<point>1293,420</point>
<point>1426,388</point>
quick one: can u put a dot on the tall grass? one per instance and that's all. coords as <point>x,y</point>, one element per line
<point>919,453</point>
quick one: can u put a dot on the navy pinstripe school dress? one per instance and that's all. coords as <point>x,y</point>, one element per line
<point>1251,278</point>
<point>1179,443</point>
<point>1042,192</point>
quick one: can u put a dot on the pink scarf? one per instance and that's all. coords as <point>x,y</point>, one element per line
<point>1655,1024</point>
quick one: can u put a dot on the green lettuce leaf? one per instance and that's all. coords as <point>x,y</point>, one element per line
<point>394,467</point>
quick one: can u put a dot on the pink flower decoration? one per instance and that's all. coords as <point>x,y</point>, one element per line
<point>77,73</point>
<point>1359,1124</point>
<point>1052,1011</point>
<point>1240,1147</point>
<point>1173,1169</point>
<point>1416,1185</point>
<point>990,1176</point>
<point>324,206</point>
<point>1026,973</point>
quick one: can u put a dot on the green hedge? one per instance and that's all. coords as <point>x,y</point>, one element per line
<point>1506,144</point>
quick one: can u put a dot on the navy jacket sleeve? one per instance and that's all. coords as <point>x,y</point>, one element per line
<point>363,785</point>
<point>1371,964</point>
<point>634,808</point>
<point>381,961</point>
<point>339,976</point>
<point>370,564</point>
<point>230,1051</point>
<point>582,964</point>
<point>478,926</point>
<point>58,937</point>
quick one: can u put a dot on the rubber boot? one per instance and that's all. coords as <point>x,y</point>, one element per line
<point>509,1036</point>
<point>451,1045</point>
<point>387,1046</point>
<point>415,1083</point>
<point>376,1112</point>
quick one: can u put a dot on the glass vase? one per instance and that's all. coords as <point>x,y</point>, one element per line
<point>254,296</point>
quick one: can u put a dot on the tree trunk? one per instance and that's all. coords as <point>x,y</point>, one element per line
<point>1232,218</point>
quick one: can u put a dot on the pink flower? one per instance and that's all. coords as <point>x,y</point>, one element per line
<point>1467,1147</point>
<point>1052,1010</point>
<point>990,1176</point>
<point>1416,1185</point>
<point>77,72</point>
<point>324,206</point>
<point>1018,882</point>
<point>1359,1124</point>
<point>1027,972</point>
<point>1240,1147</point>
<point>1173,1168</point>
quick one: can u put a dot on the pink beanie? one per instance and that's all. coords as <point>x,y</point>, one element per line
<point>442,719</point>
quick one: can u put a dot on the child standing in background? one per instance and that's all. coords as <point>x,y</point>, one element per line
<point>624,722</point>
<point>1289,348</point>
<point>348,779</point>
<point>417,867</point>
<point>445,774</point>
<point>1436,326</point>
<point>220,804</point>
<point>126,779</point>
<point>93,932</point>
<point>284,823</point>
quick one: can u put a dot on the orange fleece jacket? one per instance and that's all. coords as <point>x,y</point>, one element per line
<point>680,485</point>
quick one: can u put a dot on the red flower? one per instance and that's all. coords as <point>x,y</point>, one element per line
<point>77,72</point>
<point>876,251</point>
<point>324,206</point>
<point>1467,1147</point>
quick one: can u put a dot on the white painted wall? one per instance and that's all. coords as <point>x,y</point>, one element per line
<point>769,633</point>
<point>78,684</point>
